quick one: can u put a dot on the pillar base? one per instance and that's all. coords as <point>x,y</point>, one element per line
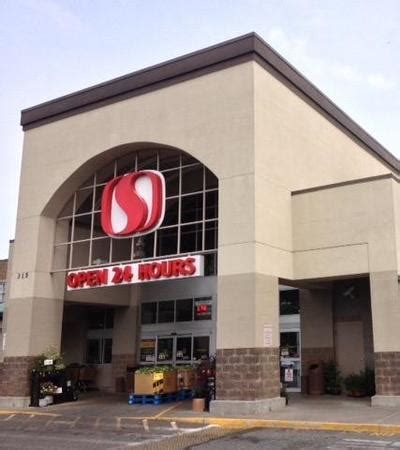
<point>386,400</point>
<point>234,408</point>
<point>14,402</point>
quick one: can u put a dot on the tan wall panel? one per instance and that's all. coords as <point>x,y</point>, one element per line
<point>349,358</point>
<point>296,146</point>
<point>245,303</point>
<point>316,318</point>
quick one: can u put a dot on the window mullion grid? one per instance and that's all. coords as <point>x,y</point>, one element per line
<point>203,237</point>
<point>179,205</point>
<point>71,248</point>
<point>92,218</point>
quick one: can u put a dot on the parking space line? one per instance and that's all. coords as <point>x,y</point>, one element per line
<point>170,408</point>
<point>9,417</point>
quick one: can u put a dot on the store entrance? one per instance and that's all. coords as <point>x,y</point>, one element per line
<point>174,349</point>
<point>290,360</point>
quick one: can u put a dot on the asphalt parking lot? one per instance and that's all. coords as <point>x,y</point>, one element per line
<point>32,431</point>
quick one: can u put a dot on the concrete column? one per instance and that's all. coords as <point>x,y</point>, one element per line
<point>125,335</point>
<point>34,308</point>
<point>247,345</point>
<point>317,344</point>
<point>385,305</point>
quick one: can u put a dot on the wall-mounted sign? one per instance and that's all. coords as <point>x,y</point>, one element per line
<point>267,335</point>
<point>133,204</point>
<point>164,269</point>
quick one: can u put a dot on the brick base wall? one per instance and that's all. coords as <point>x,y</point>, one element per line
<point>247,373</point>
<point>119,365</point>
<point>387,373</point>
<point>15,376</point>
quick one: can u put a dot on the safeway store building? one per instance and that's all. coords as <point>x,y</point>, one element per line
<point>230,179</point>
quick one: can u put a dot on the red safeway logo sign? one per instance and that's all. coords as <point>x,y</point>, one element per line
<point>133,204</point>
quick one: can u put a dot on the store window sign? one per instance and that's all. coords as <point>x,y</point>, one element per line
<point>133,204</point>
<point>166,269</point>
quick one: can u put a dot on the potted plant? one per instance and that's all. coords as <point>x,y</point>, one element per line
<point>355,385</point>
<point>332,378</point>
<point>49,361</point>
<point>199,399</point>
<point>47,390</point>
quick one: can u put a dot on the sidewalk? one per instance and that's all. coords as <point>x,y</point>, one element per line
<point>303,412</point>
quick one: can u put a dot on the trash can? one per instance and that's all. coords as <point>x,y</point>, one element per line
<point>316,379</point>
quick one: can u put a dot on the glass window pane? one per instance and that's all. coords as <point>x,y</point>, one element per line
<point>97,229</point>
<point>202,308</point>
<point>109,318</point>
<point>211,235</point>
<point>201,347</point>
<point>80,255</point>
<point>63,231</point>
<point>98,194</point>
<point>184,310</point>
<point>147,159</point>
<point>147,350</point>
<point>107,356</point>
<point>168,159</point>
<point>166,311</point>
<point>171,182</point>
<point>93,351</point>
<point>167,241</point>
<point>149,313</point>
<point>121,250</point>
<point>96,318</point>
<point>184,348</point>
<point>144,246</point>
<point>289,302</point>
<point>82,227</point>
<point>101,251</point>
<point>192,208</point>
<point>67,210</point>
<point>192,179</point>
<point>289,344</point>
<point>212,205</point>
<point>84,201</point>
<point>164,350</point>
<point>126,164</point>
<point>187,159</point>
<point>191,237</point>
<point>61,257</point>
<point>105,174</point>
<point>210,264</point>
<point>171,212</point>
<point>211,180</point>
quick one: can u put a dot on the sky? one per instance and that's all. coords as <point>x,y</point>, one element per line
<point>348,48</point>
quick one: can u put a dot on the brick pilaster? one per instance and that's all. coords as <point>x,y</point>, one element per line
<point>119,366</point>
<point>387,373</point>
<point>247,374</point>
<point>15,376</point>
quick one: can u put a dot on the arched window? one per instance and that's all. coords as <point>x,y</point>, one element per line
<point>190,225</point>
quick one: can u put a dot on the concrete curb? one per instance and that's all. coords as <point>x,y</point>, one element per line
<point>372,428</point>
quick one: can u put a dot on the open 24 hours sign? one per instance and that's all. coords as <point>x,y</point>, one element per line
<point>164,269</point>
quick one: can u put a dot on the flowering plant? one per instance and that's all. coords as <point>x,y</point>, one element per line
<point>47,388</point>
